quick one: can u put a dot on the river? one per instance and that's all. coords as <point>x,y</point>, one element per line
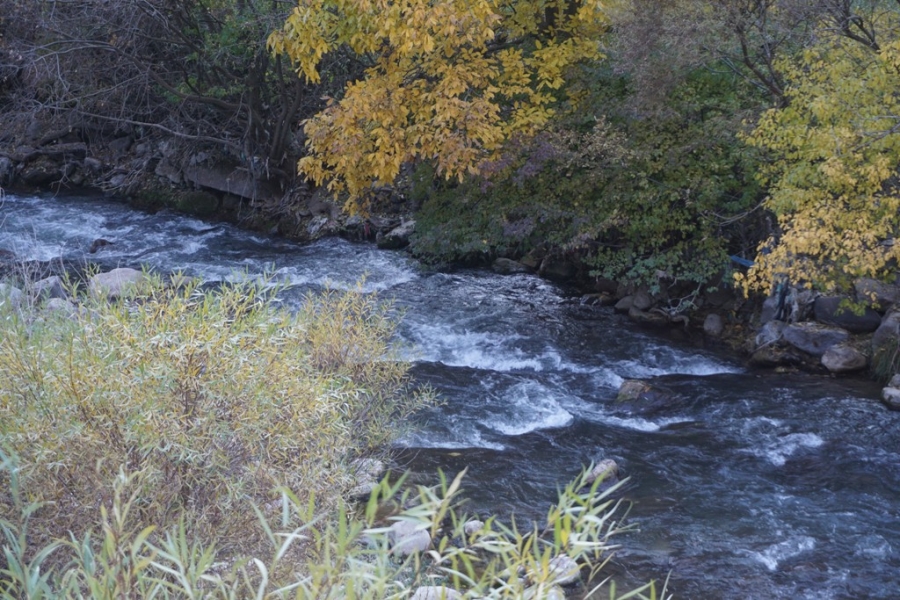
<point>748,484</point>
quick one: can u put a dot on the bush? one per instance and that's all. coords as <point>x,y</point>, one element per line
<point>212,399</point>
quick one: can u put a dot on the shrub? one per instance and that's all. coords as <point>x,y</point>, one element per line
<point>214,398</point>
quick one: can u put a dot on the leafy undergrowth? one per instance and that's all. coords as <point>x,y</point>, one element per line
<point>188,443</point>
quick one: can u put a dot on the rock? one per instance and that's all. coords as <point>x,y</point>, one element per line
<point>533,259</point>
<point>11,296</point>
<point>7,171</point>
<point>632,389</point>
<point>114,283</point>
<point>564,570</point>
<point>886,338</point>
<point>814,338</point>
<point>713,325</point>
<point>97,244</point>
<point>642,300</point>
<point>844,359</point>
<point>398,237</point>
<point>435,592</point>
<point>557,268</point>
<point>119,146</point>
<point>770,333</point>
<point>507,266</point>
<point>168,171</point>
<point>472,527</point>
<point>891,397</point>
<point>41,172</point>
<point>368,468</point>
<point>598,299</point>
<point>92,165</point>
<point>624,305</point>
<point>60,305</point>
<point>237,182</point>
<point>555,593</point>
<point>647,317</point>
<point>828,310</point>
<point>775,356</point>
<point>407,537</point>
<point>51,287</point>
<point>321,226</point>
<point>883,295</point>
<point>606,469</point>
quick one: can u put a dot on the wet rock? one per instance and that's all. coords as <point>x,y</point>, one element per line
<point>507,266</point>
<point>97,244</point>
<point>564,570</point>
<point>882,295</point>
<point>625,304</point>
<point>114,283</point>
<point>11,296</point>
<point>647,317</point>
<point>844,359</point>
<point>640,396</point>
<point>886,338</point>
<point>607,470</point>
<point>41,172</point>
<point>407,538</point>
<point>435,592</point>
<point>713,325</point>
<point>814,338</point>
<point>632,389</point>
<point>51,287</point>
<point>598,299</point>
<point>398,237</point>
<point>828,310</point>
<point>775,356</point>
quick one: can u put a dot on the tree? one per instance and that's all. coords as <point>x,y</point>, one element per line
<point>448,81</point>
<point>835,151</point>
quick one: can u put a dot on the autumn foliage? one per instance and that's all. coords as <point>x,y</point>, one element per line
<point>447,81</point>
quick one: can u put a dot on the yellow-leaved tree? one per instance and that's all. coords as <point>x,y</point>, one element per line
<point>835,153</point>
<point>448,81</point>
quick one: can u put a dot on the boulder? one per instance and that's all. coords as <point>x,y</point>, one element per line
<point>564,570</point>
<point>886,338</point>
<point>11,295</point>
<point>168,171</point>
<point>557,268</point>
<point>398,237</point>
<point>624,305</point>
<point>770,333</point>
<point>647,317</point>
<point>472,527</point>
<point>366,471</point>
<point>97,244</point>
<point>51,287</point>
<point>114,283</point>
<point>238,182</point>
<point>642,300</point>
<point>891,397</point>
<point>882,295</point>
<point>408,537</point>
<point>60,305</point>
<point>828,310</point>
<point>632,389</point>
<point>435,592</point>
<point>507,266</point>
<point>713,325</point>
<point>844,359</point>
<point>773,355</point>
<point>814,338</point>
<point>640,396</point>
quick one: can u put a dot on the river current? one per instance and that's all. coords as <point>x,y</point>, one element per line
<point>746,485</point>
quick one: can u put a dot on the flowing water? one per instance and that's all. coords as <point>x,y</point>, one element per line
<point>746,485</point>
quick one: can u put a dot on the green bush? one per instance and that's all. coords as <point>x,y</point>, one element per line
<point>214,397</point>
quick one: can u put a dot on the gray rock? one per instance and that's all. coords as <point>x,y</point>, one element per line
<point>60,305</point>
<point>632,389</point>
<point>51,287</point>
<point>883,295</point>
<point>507,266</point>
<point>120,146</point>
<point>770,333</point>
<point>775,356</point>
<point>407,538</point>
<point>398,237</point>
<point>887,336</point>
<point>368,468</point>
<point>606,469</point>
<point>891,397</point>
<point>92,165</point>
<point>555,593</point>
<point>167,170</point>
<point>828,310</point>
<point>713,325</point>
<point>7,171</point>
<point>114,283</point>
<point>472,527</point>
<point>237,182</point>
<point>647,317</point>
<point>435,592</point>
<point>895,381</point>
<point>844,359</point>
<point>624,305</point>
<point>564,570</point>
<point>557,268</point>
<point>642,300</point>
<point>814,338</point>
<point>11,295</point>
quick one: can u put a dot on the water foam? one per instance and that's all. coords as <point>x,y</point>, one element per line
<point>778,450</point>
<point>772,556</point>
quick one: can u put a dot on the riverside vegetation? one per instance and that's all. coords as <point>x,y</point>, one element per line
<point>188,442</point>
